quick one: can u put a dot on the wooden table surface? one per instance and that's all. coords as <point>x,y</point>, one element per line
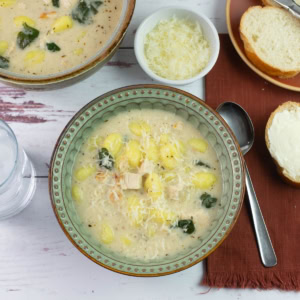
<point>37,262</point>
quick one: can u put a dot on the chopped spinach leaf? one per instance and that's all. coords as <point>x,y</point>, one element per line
<point>52,47</point>
<point>4,62</point>
<point>27,36</point>
<point>55,3</point>
<point>187,226</point>
<point>105,159</point>
<point>85,10</point>
<point>202,164</point>
<point>208,201</point>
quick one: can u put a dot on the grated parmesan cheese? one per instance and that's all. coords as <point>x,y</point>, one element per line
<point>176,49</point>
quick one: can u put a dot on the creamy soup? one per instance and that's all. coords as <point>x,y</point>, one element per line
<point>147,184</point>
<point>42,37</point>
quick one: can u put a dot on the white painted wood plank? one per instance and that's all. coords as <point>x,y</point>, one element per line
<point>47,112</point>
<point>213,9</point>
<point>39,263</point>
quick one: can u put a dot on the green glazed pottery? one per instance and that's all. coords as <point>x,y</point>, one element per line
<point>193,110</point>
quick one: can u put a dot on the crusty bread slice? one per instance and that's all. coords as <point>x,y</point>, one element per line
<point>271,39</point>
<point>272,3</point>
<point>291,140</point>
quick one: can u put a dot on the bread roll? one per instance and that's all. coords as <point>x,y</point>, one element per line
<point>282,137</point>
<point>271,39</point>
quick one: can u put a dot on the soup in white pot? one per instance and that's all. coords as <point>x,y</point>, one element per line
<point>42,37</point>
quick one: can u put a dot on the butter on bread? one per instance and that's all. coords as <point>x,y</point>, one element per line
<point>282,137</point>
<point>271,38</point>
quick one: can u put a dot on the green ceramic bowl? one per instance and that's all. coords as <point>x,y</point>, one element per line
<point>189,107</point>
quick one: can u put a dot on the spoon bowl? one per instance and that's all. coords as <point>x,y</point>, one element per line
<point>240,123</point>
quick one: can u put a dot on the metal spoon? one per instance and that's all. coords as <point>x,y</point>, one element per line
<point>240,123</point>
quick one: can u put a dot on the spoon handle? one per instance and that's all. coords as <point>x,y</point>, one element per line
<point>266,249</point>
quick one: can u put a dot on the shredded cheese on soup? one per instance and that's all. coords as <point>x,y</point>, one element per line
<point>153,191</point>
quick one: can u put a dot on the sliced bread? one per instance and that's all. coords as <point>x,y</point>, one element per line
<point>272,3</point>
<point>282,137</point>
<point>271,39</point>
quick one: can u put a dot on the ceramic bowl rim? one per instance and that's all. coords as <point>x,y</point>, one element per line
<point>120,90</point>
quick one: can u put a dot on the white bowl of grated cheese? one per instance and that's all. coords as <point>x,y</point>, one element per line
<point>176,46</point>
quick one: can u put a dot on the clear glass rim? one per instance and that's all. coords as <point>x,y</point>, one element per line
<point>11,133</point>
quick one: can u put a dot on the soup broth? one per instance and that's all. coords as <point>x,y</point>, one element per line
<point>147,184</point>
<point>50,36</point>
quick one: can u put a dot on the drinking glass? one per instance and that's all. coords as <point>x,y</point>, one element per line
<point>17,174</point>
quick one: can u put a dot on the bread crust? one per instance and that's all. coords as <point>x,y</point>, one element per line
<point>289,105</point>
<point>270,3</point>
<point>254,58</point>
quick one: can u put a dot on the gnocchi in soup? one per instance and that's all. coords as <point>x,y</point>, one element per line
<point>42,37</point>
<point>146,184</point>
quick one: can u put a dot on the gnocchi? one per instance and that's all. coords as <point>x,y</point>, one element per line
<point>35,57</point>
<point>62,23</point>
<point>198,144</point>
<point>7,3</point>
<point>133,153</point>
<point>83,173</point>
<point>153,185</point>
<point>151,150</point>
<point>204,180</point>
<point>139,128</point>
<point>107,234</point>
<point>77,193</point>
<point>94,143</point>
<point>113,143</point>
<point>169,155</point>
<point>20,20</point>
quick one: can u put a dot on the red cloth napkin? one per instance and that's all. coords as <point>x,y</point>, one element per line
<point>236,263</point>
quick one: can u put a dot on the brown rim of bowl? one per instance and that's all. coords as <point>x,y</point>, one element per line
<point>247,61</point>
<point>85,68</point>
<point>142,86</point>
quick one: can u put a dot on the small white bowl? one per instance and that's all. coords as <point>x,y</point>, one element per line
<point>209,31</point>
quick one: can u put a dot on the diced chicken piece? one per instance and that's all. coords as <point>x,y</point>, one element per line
<point>173,191</point>
<point>146,167</point>
<point>131,181</point>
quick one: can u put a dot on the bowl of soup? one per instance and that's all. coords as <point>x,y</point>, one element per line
<point>146,180</point>
<point>51,41</point>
